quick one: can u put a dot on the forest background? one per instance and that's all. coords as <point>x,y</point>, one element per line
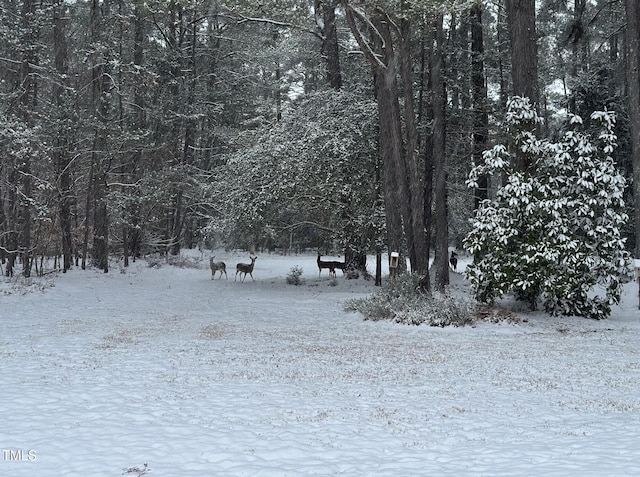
<point>136,127</point>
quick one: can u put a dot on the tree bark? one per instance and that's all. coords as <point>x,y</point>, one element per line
<point>403,180</point>
<point>425,116</point>
<point>325,11</point>
<point>101,106</point>
<point>62,158</point>
<point>521,16</point>
<point>28,100</point>
<point>479,98</point>
<point>131,234</point>
<point>100,217</point>
<point>419,256</point>
<point>390,137</point>
<point>10,204</point>
<point>441,245</point>
<point>633,78</point>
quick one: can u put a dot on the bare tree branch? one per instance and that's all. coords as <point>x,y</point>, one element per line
<point>244,19</point>
<point>353,13</point>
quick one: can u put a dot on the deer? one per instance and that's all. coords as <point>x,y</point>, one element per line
<point>217,266</point>
<point>245,268</point>
<point>453,260</point>
<point>322,264</point>
<point>331,265</point>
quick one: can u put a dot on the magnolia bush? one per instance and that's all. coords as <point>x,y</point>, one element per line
<point>552,232</point>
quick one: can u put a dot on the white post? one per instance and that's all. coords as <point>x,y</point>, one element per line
<point>393,263</point>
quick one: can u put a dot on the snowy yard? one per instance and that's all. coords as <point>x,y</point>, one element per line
<point>105,372</point>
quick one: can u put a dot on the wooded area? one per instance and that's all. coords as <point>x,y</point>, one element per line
<point>137,127</point>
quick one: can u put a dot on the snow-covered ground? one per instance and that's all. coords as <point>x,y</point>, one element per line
<point>102,373</point>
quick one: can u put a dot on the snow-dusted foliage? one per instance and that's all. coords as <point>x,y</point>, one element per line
<point>401,300</point>
<point>21,143</point>
<point>552,232</point>
<point>315,168</point>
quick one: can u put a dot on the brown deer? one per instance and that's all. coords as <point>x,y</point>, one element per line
<point>331,265</point>
<point>322,264</point>
<point>245,268</point>
<point>217,266</point>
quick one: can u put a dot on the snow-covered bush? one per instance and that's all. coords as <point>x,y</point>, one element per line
<point>19,285</point>
<point>293,277</point>
<point>179,261</point>
<point>402,300</point>
<point>552,231</point>
<point>315,166</point>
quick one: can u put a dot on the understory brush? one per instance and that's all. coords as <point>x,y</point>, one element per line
<point>179,261</point>
<point>402,301</point>
<point>293,277</point>
<point>19,285</point>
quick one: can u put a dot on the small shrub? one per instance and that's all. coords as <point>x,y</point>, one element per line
<point>293,278</point>
<point>352,274</point>
<point>139,470</point>
<point>179,261</point>
<point>400,300</point>
<point>19,285</point>
<point>154,262</point>
<point>183,261</point>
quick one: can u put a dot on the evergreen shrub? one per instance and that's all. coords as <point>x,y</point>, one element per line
<point>552,232</point>
<point>293,277</point>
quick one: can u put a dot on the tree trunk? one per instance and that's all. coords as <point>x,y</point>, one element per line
<point>28,101</point>
<point>87,214</point>
<point>441,258</point>
<point>3,218</point>
<point>177,221</point>
<point>503,55</point>
<point>26,242</point>
<point>10,204</point>
<point>633,78</point>
<point>575,37</point>
<point>403,181</point>
<point>420,254</point>
<point>479,99</point>
<point>325,12</point>
<point>425,116</point>
<point>521,16</point>
<point>62,158</point>
<point>100,82</point>
<point>390,128</point>
<point>131,230</point>
<point>389,124</point>
<point>100,219</point>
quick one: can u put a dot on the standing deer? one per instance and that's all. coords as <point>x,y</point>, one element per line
<point>217,266</point>
<point>331,265</point>
<point>322,264</point>
<point>245,268</point>
<point>453,260</point>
